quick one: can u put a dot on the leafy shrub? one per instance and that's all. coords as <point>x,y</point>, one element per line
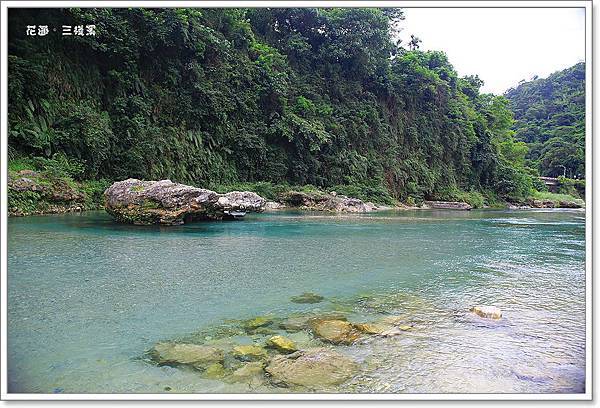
<point>94,192</point>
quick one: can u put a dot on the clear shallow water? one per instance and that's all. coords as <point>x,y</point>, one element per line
<point>87,297</point>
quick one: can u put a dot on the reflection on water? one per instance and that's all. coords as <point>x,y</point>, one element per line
<point>87,297</point>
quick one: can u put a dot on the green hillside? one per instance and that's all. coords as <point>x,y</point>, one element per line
<point>216,97</point>
<point>550,118</point>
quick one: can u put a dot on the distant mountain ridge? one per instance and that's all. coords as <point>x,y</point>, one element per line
<point>550,117</point>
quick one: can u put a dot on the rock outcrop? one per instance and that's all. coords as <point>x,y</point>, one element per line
<point>326,202</point>
<point>31,192</point>
<point>164,202</point>
<point>319,367</point>
<point>555,204</point>
<point>447,205</point>
<point>273,205</point>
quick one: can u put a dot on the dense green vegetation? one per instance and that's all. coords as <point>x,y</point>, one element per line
<point>550,118</point>
<point>48,186</point>
<point>262,98</point>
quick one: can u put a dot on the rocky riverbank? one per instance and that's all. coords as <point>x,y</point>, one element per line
<point>332,202</point>
<point>164,202</point>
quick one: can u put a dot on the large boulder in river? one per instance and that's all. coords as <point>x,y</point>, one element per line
<point>164,202</point>
<point>318,367</point>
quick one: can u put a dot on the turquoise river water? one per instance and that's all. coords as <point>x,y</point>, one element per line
<point>88,297</point>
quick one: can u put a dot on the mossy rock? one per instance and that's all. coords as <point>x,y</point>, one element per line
<point>260,321</point>
<point>195,355</point>
<point>313,368</point>
<point>282,344</point>
<point>249,352</point>
<point>250,373</point>
<point>298,323</point>
<point>215,371</point>
<point>372,328</point>
<point>295,323</point>
<point>336,331</point>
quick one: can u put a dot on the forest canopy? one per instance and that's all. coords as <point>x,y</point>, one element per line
<point>299,96</point>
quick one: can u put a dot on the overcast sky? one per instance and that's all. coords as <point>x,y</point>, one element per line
<point>502,46</point>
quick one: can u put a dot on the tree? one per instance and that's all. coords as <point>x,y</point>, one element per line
<point>414,42</point>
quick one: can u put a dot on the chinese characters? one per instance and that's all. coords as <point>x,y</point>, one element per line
<point>41,30</point>
<point>67,30</point>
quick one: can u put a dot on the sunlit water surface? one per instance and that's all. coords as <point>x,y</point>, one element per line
<point>87,296</point>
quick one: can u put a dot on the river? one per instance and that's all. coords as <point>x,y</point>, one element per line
<point>88,297</point>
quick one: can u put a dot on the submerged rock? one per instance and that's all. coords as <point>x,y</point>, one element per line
<point>307,297</point>
<point>295,323</point>
<point>319,367</point>
<point>164,202</point>
<point>298,323</point>
<point>488,312</point>
<point>392,320</point>
<point>257,322</point>
<point>262,331</point>
<point>189,354</point>
<point>282,344</point>
<point>372,328</point>
<point>215,371</point>
<point>447,205</point>
<point>250,352</point>
<point>335,331</point>
<point>394,331</point>
<point>252,373</point>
